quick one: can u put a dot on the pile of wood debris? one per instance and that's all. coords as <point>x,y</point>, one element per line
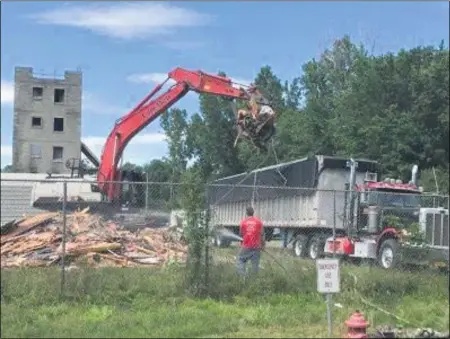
<point>387,331</point>
<point>37,241</point>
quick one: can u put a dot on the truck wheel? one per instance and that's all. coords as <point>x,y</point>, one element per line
<point>299,246</point>
<point>221,242</point>
<point>213,241</point>
<point>388,254</point>
<point>268,234</point>
<point>315,247</point>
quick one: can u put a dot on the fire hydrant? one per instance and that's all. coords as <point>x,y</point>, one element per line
<point>356,326</point>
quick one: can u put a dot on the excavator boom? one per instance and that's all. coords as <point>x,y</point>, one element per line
<point>148,110</point>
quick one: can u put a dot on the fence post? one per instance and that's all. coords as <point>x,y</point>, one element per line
<point>329,296</point>
<point>253,191</point>
<point>146,191</point>
<point>334,223</point>
<point>448,202</point>
<point>206,242</point>
<point>63,262</point>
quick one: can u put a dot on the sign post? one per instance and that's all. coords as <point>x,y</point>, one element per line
<point>328,283</point>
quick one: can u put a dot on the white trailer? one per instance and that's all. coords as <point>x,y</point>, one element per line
<point>297,196</point>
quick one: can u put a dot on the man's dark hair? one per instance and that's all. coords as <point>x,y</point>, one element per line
<point>250,211</point>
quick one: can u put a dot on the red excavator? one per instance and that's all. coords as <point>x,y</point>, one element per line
<point>257,127</point>
<point>257,130</point>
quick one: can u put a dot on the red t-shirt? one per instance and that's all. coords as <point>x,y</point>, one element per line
<point>251,231</point>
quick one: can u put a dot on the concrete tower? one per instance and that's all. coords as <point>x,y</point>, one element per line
<point>47,121</point>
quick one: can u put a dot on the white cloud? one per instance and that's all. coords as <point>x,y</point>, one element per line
<point>6,150</point>
<point>125,20</point>
<point>141,149</point>
<point>6,155</point>
<point>146,78</point>
<point>7,93</point>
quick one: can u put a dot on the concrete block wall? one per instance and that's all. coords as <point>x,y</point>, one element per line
<point>16,202</point>
<point>43,138</point>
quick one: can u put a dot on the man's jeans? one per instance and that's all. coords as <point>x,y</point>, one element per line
<point>246,254</point>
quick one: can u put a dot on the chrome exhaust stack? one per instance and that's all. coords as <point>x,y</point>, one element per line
<point>415,170</point>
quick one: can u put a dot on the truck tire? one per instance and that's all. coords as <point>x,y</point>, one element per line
<point>268,234</point>
<point>299,246</point>
<point>315,247</point>
<point>221,241</point>
<point>389,254</point>
<point>213,241</point>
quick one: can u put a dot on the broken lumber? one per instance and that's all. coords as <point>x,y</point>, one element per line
<point>77,248</point>
<point>37,241</point>
<point>29,223</point>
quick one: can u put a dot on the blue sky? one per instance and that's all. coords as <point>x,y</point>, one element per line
<point>124,47</point>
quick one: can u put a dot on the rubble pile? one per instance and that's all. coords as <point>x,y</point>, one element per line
<point>388,331</point>
<point>37,241</point>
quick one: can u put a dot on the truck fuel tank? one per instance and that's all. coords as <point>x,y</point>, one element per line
<point>372,220</point>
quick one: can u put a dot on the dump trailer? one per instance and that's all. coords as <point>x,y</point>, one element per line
<point>326,205</point>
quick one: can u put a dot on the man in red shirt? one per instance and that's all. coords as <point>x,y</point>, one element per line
<point>253,242</point>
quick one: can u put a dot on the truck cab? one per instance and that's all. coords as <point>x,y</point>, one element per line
<point>390,225</point>
<point>377,200</point>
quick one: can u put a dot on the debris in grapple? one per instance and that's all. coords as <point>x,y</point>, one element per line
<point>256,124</point>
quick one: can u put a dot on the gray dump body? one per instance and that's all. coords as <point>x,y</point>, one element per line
<point>290,195</point>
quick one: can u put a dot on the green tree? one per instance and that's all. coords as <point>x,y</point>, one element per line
<point>391,108</point>
<point>197,230</point>
<point>435,181</point>
<point>270,86</point>
<point>128,166</point>
<point>8,169</point>
<point>159,174</point>
<point>175,127</point>
<point>211,137</point>
<point>293,94</point>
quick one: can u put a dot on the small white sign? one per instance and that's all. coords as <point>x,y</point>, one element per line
<point>328,276</point>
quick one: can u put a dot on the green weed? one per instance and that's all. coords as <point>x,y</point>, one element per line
<point>139,302</point>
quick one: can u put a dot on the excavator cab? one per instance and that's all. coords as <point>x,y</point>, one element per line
<point>132,190</point>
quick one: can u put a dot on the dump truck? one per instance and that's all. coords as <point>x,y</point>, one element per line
<point>325,205</point>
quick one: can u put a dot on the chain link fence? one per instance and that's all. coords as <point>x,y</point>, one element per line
<point>304,221</point>
<point>69,225</point>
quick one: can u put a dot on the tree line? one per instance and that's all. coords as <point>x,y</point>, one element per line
<point>393,108</point>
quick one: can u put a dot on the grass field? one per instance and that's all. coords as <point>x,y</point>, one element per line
<point>130,303</point>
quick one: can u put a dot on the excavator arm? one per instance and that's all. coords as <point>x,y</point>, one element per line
<point>147,111</point>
